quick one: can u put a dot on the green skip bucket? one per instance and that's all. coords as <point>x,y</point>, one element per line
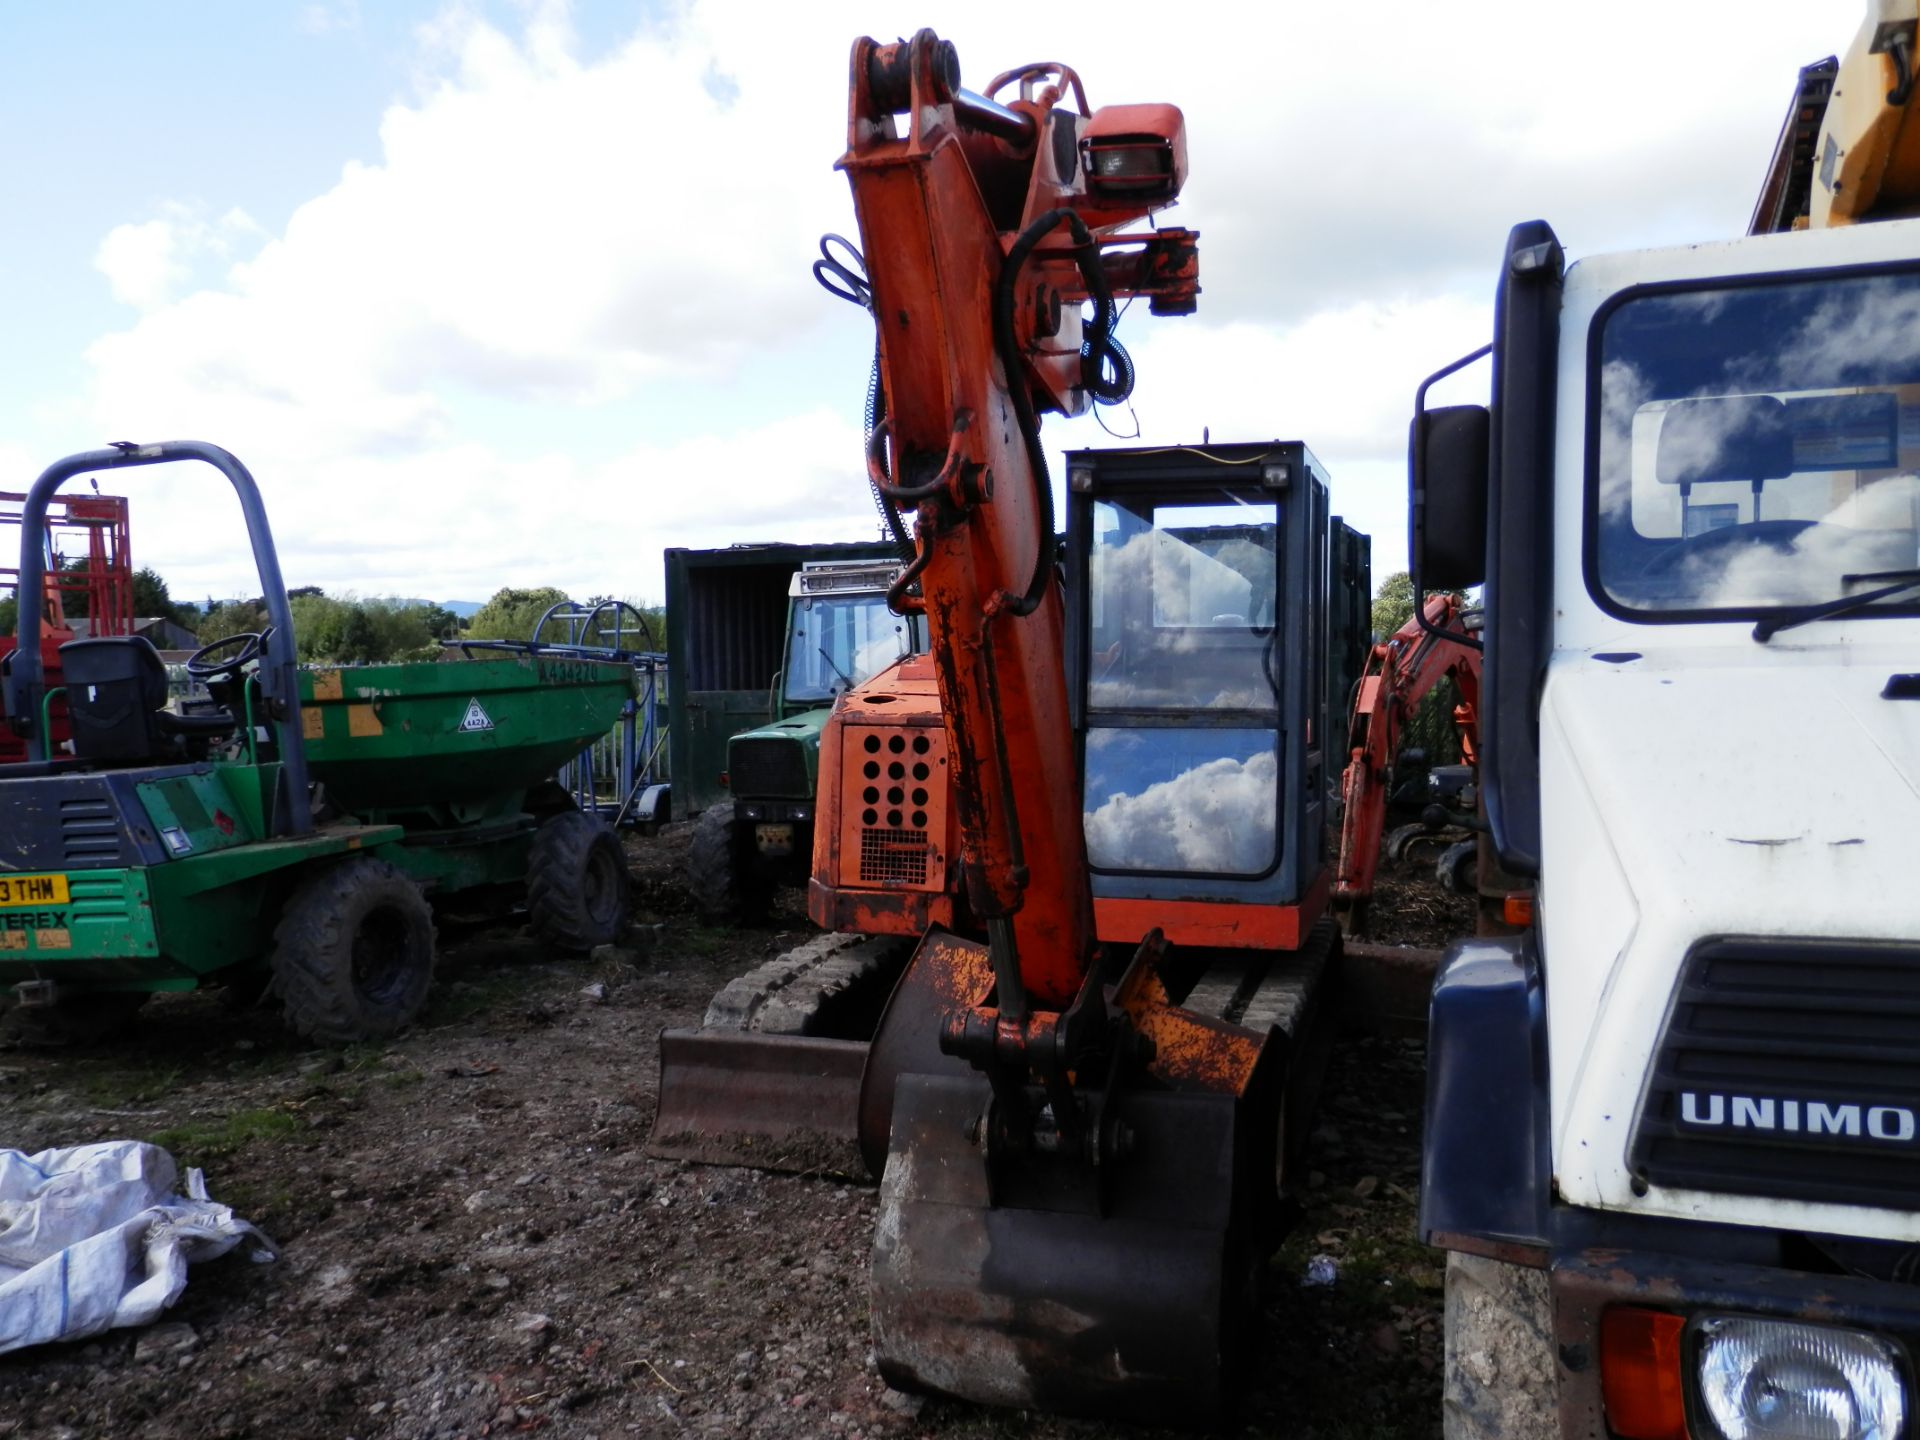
<point>462,735</point>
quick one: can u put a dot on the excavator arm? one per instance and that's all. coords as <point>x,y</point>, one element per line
<point>987,227</point>
<point>1399,673</point>
<point>1071,1193</point>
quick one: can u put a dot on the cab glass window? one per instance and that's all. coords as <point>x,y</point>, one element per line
<point>1757,446</point>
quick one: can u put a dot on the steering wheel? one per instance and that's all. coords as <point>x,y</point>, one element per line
<point>1772,534</point>
<point>202,665</point>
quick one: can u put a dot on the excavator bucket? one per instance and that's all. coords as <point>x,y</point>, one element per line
<point>1046,1279</point>
<point>1030,1287</point>
<point>770,1102</point>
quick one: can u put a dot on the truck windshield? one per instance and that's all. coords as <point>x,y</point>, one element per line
<point>1758,447</point>
<point>841,641</point>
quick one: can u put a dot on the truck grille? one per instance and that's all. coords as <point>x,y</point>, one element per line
<point>1789,1069</point>
<point>768,767</point>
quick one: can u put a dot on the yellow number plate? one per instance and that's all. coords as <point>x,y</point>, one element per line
<point>19,890</point>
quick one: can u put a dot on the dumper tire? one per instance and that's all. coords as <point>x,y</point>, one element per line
<point>1458,868</point>
<point>1500,1370</point>
<point>87,1018</point>
<point>579,892</point>
<point>353,953</point>
<point>723,888</point>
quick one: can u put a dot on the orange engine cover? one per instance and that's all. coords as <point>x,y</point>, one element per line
<point>885,839</point>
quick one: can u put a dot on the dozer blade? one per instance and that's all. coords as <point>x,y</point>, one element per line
<point>1041,1295</point>
<point>771,1102</point>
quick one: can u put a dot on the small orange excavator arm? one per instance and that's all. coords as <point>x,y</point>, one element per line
<point>1073,1166</point>
<point>986,229</point>
<point>1400,671</point>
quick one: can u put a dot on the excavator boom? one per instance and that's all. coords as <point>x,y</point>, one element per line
<point>1400,671</point>
<point>1064,1155</point>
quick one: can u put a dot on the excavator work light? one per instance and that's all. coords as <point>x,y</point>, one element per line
<point>1135,154</point>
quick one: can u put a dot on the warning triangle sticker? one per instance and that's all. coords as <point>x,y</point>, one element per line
<point>476,717</point>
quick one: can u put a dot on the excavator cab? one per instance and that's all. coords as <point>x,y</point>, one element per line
<point>1197,616</point>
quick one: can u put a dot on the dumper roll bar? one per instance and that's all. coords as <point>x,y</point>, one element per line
<point>25,681</point>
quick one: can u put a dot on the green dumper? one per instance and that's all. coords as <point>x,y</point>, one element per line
<point>298,832</point>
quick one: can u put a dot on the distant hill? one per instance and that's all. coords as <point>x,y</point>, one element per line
<point>463,608</point>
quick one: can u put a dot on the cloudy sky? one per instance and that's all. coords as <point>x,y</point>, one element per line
<point>516,292</point>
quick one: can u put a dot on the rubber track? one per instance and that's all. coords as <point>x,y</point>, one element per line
<point>1278,994</point>
<point>790,993</point>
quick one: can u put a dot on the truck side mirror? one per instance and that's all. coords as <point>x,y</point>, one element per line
<point>1449,450</point>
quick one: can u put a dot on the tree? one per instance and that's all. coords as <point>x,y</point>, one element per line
<point>331,630</point>
<point>511,614</point>
<point>236,617</point>
<point>441,623</point>
<point>150,597</point>
<point>319,626</point>
<point>1393,604</point>
<point>9,615</point>
<point>398,632</point>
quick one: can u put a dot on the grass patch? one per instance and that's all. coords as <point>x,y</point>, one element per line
<point>705,940</point>
<point>121,1087</point>
<point>199,1141</point>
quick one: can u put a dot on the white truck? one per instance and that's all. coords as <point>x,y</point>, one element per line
<point>1673,1127</point>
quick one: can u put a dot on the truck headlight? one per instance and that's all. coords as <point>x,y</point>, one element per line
<point>1773,1379</point>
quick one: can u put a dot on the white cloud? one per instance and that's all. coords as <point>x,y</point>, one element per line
<point>460,521</point>
<point>325,17</point>
<point>537,228</point>
<point>1217,816</point>
<point>147,264</point>
<point>547,239</point>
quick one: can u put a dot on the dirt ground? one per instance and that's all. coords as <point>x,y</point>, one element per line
<point>473,1244</point>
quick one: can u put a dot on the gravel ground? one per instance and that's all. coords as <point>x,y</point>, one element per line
<point>474,1245</point>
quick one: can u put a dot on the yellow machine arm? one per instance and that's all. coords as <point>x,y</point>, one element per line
<point>1850,148</point>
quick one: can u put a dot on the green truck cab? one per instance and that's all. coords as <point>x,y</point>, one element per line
<point>839,634</point>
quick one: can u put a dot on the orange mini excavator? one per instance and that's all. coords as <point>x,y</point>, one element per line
<point>1091,798</point>
<point>1400,671</point>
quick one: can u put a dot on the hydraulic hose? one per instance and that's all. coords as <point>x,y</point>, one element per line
<point>847,280</point>
<point>1096,350</point>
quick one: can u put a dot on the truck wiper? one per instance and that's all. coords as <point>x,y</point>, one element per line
<point>836,668</point>
<point>1765,630</point>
